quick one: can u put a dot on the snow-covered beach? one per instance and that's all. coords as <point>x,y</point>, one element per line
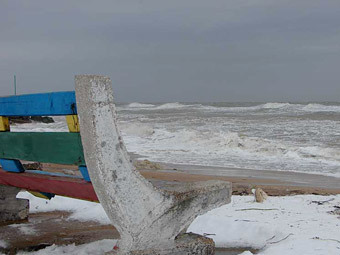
<point>303,224</point>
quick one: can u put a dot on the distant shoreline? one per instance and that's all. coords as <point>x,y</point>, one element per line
<point>244,179</point>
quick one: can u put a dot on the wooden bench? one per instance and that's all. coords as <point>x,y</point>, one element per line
<point>47,147</point>
<point>148,218</point>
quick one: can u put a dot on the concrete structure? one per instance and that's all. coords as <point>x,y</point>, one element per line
<point>148,219</point>
<point>12,209</point>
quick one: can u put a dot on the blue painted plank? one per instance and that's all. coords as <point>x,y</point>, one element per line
<point>12,165</point>
<point>85,173</point>
<point>47,104</point>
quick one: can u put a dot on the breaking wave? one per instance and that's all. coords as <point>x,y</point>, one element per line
<point>225,142</point>
<point>171,106</point>
<point>136,129</point>
<point>321,108</point>
<point>275,105</point>
<point>166,106</point>
<point>266,106</point>
<point>285,107</point>
<point>226,148</point>
<point>140,105</point>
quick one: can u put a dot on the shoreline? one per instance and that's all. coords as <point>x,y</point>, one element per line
<point>275,183</point>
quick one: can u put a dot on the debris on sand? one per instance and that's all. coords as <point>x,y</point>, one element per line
<point>260,195</point>
<point>147,165</point>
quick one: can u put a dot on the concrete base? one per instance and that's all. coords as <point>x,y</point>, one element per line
<point>12,209</point>
<point>184,244</point>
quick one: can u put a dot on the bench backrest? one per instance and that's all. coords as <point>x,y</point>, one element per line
<point>44,147</point>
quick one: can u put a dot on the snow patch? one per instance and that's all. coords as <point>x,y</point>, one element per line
<point>95,248</point>
<point>3,244</point>
<point>81,210</point>
<point>281,225</point>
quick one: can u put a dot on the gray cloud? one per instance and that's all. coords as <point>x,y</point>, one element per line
<point>254,50</point>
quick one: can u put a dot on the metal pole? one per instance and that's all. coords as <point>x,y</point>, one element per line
<point>15,85</point>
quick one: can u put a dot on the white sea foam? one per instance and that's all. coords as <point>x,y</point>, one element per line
<point>259,107</point>
<point>140,105</point>
<point>152,107</point>
<point>136,129</point>
<point>60,125</point>
<point>230,109</point>
<point>232,149</point>
<point>168,106</point>
<point>321,108</point>
<point>267,106</point>
<point>224,142</point>
<point>275,105</point>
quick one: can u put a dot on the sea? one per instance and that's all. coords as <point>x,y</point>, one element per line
<point>298,137</point>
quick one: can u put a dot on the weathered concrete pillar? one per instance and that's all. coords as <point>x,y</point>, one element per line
<point>12,209</point>
<point>148,219</point>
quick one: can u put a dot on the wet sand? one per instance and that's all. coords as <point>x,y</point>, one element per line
<point>48,228</point>
<point>273,182</point>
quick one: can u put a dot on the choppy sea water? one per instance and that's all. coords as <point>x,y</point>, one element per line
<point>259,136</point>
<point>263,136</point>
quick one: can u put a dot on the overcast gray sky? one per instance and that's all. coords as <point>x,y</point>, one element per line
<point>175,50</point>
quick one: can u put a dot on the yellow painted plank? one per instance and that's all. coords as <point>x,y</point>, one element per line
<point>4,124</point>
<point>73,123</point>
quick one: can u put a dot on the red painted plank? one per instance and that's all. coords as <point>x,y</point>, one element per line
<point>63,186</point>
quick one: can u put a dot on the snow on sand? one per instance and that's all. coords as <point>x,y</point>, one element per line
<point>281,225</point>
<point>94,248</point>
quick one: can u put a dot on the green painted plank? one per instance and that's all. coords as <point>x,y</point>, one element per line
<point>47,147</point>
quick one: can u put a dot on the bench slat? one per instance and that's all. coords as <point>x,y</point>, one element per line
<point>12,165</point>
<point>47,104</point>
<point>46,147</point>
<point>4,124</point>
<point>73,123</point>
<point>64,186</point>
